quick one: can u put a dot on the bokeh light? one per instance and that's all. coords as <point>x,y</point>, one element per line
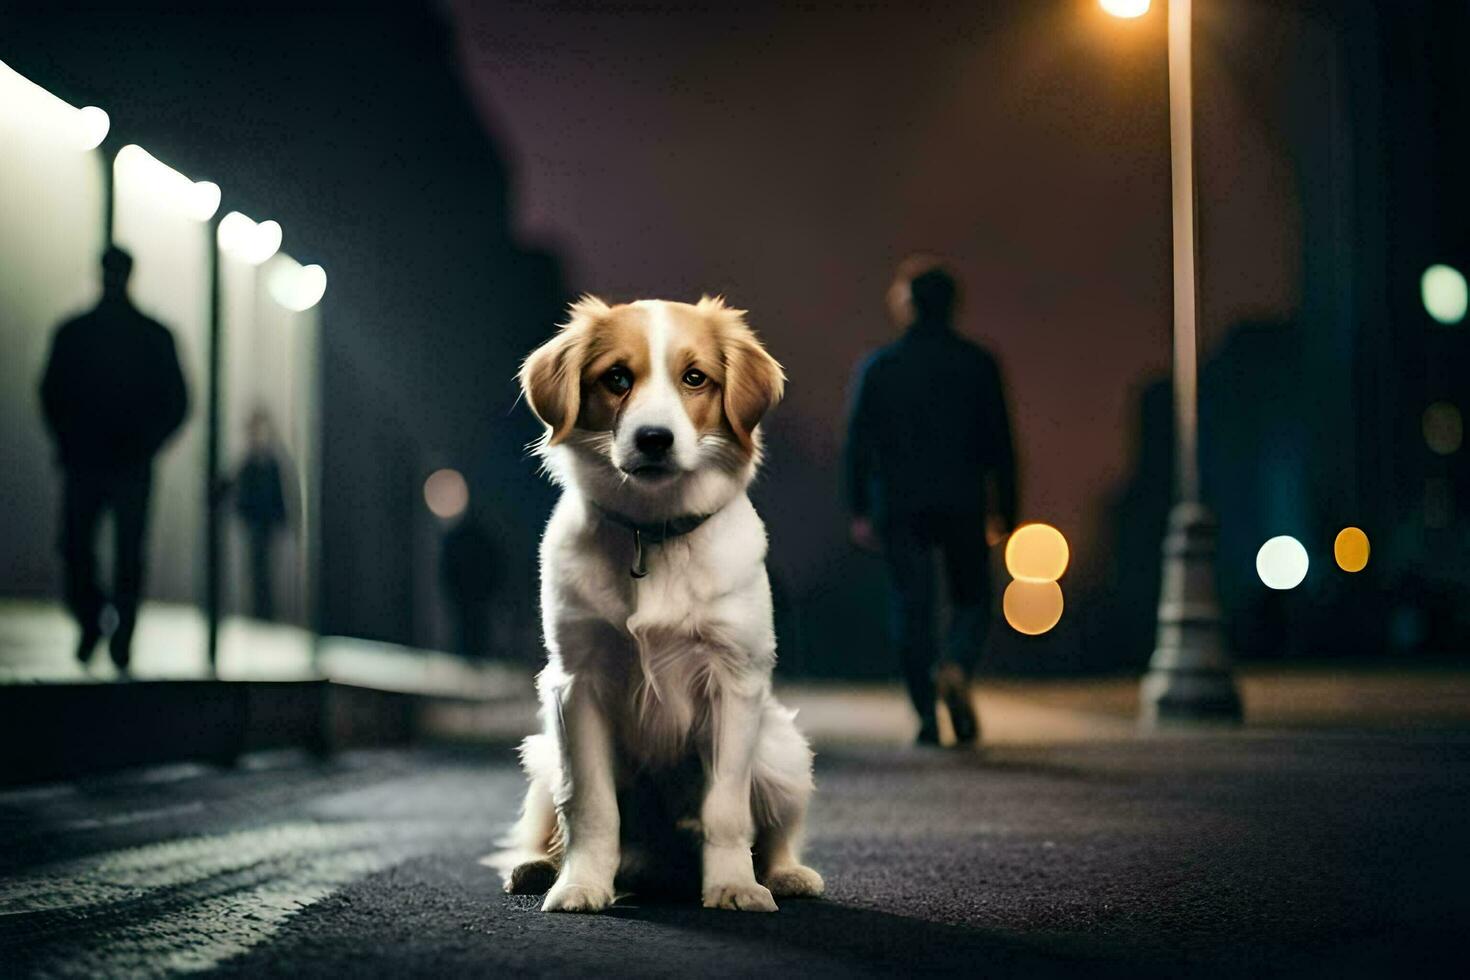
<point>1351,549</point>
<point>1032,608</point>
<point>446,493</point>
<point>1125,8</point>
<point>1444,428</point>
<point>1037,553</point>
<point>1443,290</point>
<point>1282,562</point>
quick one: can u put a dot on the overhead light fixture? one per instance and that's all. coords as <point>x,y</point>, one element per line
<point>33,107</point>
<point>247,240</point>
<point>296,287</point>
<point>198,199</point>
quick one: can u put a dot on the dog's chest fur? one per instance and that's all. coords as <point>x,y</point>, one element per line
<point>663,647</point>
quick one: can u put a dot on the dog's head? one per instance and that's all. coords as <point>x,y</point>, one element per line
<point>648,397</point>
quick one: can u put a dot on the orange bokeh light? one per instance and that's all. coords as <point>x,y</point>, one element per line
<point>1037,553</point>
<point>1032,608</point>
<point>1351,549</point>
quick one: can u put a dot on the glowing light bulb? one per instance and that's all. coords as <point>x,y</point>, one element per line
<point>1282,562</point>
<point>1037,553</point>
<point>1126,9</point>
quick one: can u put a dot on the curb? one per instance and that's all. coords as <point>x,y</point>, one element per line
<point>60,731</point>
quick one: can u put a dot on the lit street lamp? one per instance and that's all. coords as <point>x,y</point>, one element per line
<point>1189,676</point>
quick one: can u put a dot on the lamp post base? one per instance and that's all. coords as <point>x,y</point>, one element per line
<point>1189,677</point>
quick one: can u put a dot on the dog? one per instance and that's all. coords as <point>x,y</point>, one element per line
<point>663,750</point>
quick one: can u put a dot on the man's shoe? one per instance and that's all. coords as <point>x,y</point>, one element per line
<point>954,688</point>
<point>87,645</point>
<point>928,733</point>
<point>121,649</point>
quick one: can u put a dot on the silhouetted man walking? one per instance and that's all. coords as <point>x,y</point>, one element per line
<point>261,504</point>
<point>930,468</point>
<point>112,395</point>
<point>467,567</point>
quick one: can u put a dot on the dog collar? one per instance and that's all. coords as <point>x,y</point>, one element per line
<point>654,533</point>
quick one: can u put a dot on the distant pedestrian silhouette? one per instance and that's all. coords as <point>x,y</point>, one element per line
<point>112,395</point>
<point>930,469</point>
<point>467,566</point>
<point>260,503</point>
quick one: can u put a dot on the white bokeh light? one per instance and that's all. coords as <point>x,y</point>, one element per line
<point>1443,290</point>
<point>1282,562</point>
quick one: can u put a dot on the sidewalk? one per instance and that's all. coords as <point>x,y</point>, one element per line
<point>274,688</point>
<point>37,641</point>
<point>1031,712</point>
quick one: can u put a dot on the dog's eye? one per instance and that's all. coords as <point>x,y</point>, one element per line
<point>617,380</point>
<point>695,378</point>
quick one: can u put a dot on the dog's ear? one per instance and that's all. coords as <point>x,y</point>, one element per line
<point>754,381</point>
<point>551,377</point>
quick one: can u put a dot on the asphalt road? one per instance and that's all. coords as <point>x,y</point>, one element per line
<point>1247,854</point>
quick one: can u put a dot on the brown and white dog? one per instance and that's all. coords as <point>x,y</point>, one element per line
<point>661,737</point>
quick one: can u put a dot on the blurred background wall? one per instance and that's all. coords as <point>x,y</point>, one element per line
<point>272,371</point>
<point>352,129</point>
<point>789,156</point>
<point>51,234</point>
<point>170,283</point>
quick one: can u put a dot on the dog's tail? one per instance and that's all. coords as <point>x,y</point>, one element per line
<point>536,836</point>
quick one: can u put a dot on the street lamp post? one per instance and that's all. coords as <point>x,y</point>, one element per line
<point>1189,676</point>
<point>213,532</point>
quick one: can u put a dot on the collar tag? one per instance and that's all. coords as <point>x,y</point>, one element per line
<point>639,569</point>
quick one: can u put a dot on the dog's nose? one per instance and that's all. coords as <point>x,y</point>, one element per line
<point>653,441</point>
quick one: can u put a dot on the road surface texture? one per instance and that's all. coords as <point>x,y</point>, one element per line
<point>1243,854</point>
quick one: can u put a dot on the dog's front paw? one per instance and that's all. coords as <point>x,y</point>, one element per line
<point>576,896</point>
<point>744,897</point>
<point>795,881</point>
